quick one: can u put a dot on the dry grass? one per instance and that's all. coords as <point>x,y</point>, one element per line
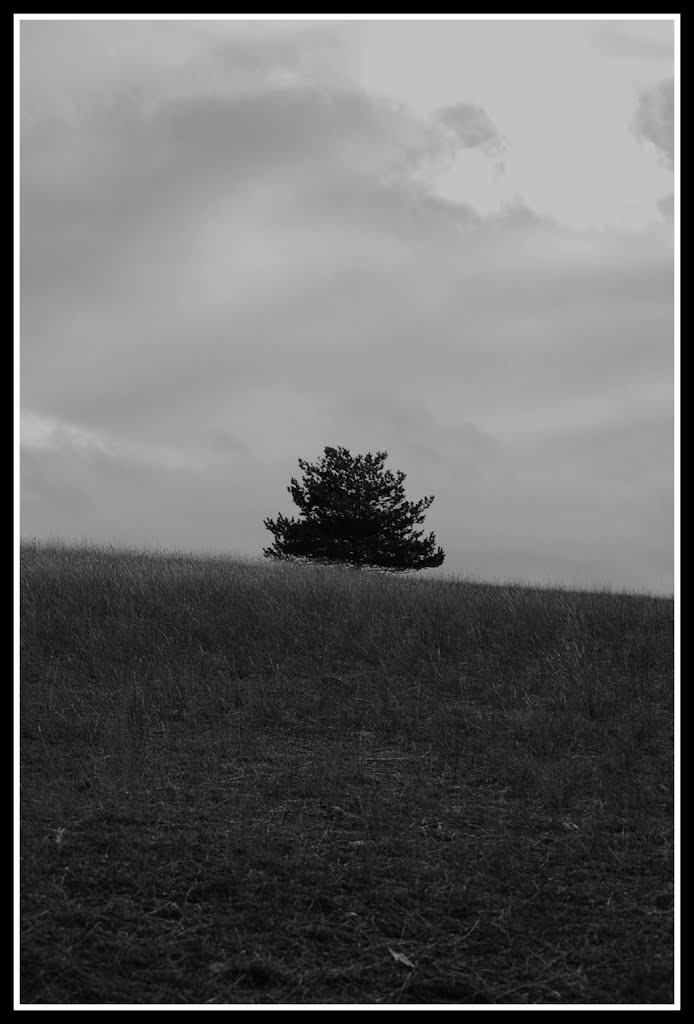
<point>246,783</point>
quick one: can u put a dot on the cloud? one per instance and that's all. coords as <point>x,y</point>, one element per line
<point>86,487</point>
<point>562,105</point>
<point>178,219</point>
<point>655,118</point>
<point>69,66</point>
<point>127,170</point>
<point>472,126</point>
<point>252,310</point>
<point>648,42</point>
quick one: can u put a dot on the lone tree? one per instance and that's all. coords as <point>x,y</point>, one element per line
<point>354,512</point>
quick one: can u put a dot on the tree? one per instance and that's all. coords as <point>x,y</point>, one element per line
<point>354,512</point>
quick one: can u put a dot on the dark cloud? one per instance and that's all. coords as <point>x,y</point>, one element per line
<point>128,169</point>
<point>393,419</point>
<point>655,118</point>
<point>637,449</point>
<point>560,519</point>
<point>74,493</point>
<point>636,40</point>
<point>117,197</point>
<point>111,212</point>
<point>472,126</point>
<point>666,205</point>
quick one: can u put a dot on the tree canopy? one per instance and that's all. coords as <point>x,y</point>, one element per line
<point>353,511</point>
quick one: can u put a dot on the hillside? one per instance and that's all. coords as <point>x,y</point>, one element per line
<point>250,783</point>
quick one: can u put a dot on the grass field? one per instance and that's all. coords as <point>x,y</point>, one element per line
<point>250,783</point>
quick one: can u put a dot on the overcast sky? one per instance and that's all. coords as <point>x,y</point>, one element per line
<point>449,240</point>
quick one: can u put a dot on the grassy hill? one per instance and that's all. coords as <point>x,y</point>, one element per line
<point>252,783</point>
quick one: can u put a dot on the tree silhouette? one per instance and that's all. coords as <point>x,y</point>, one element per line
<point>354,512</point>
